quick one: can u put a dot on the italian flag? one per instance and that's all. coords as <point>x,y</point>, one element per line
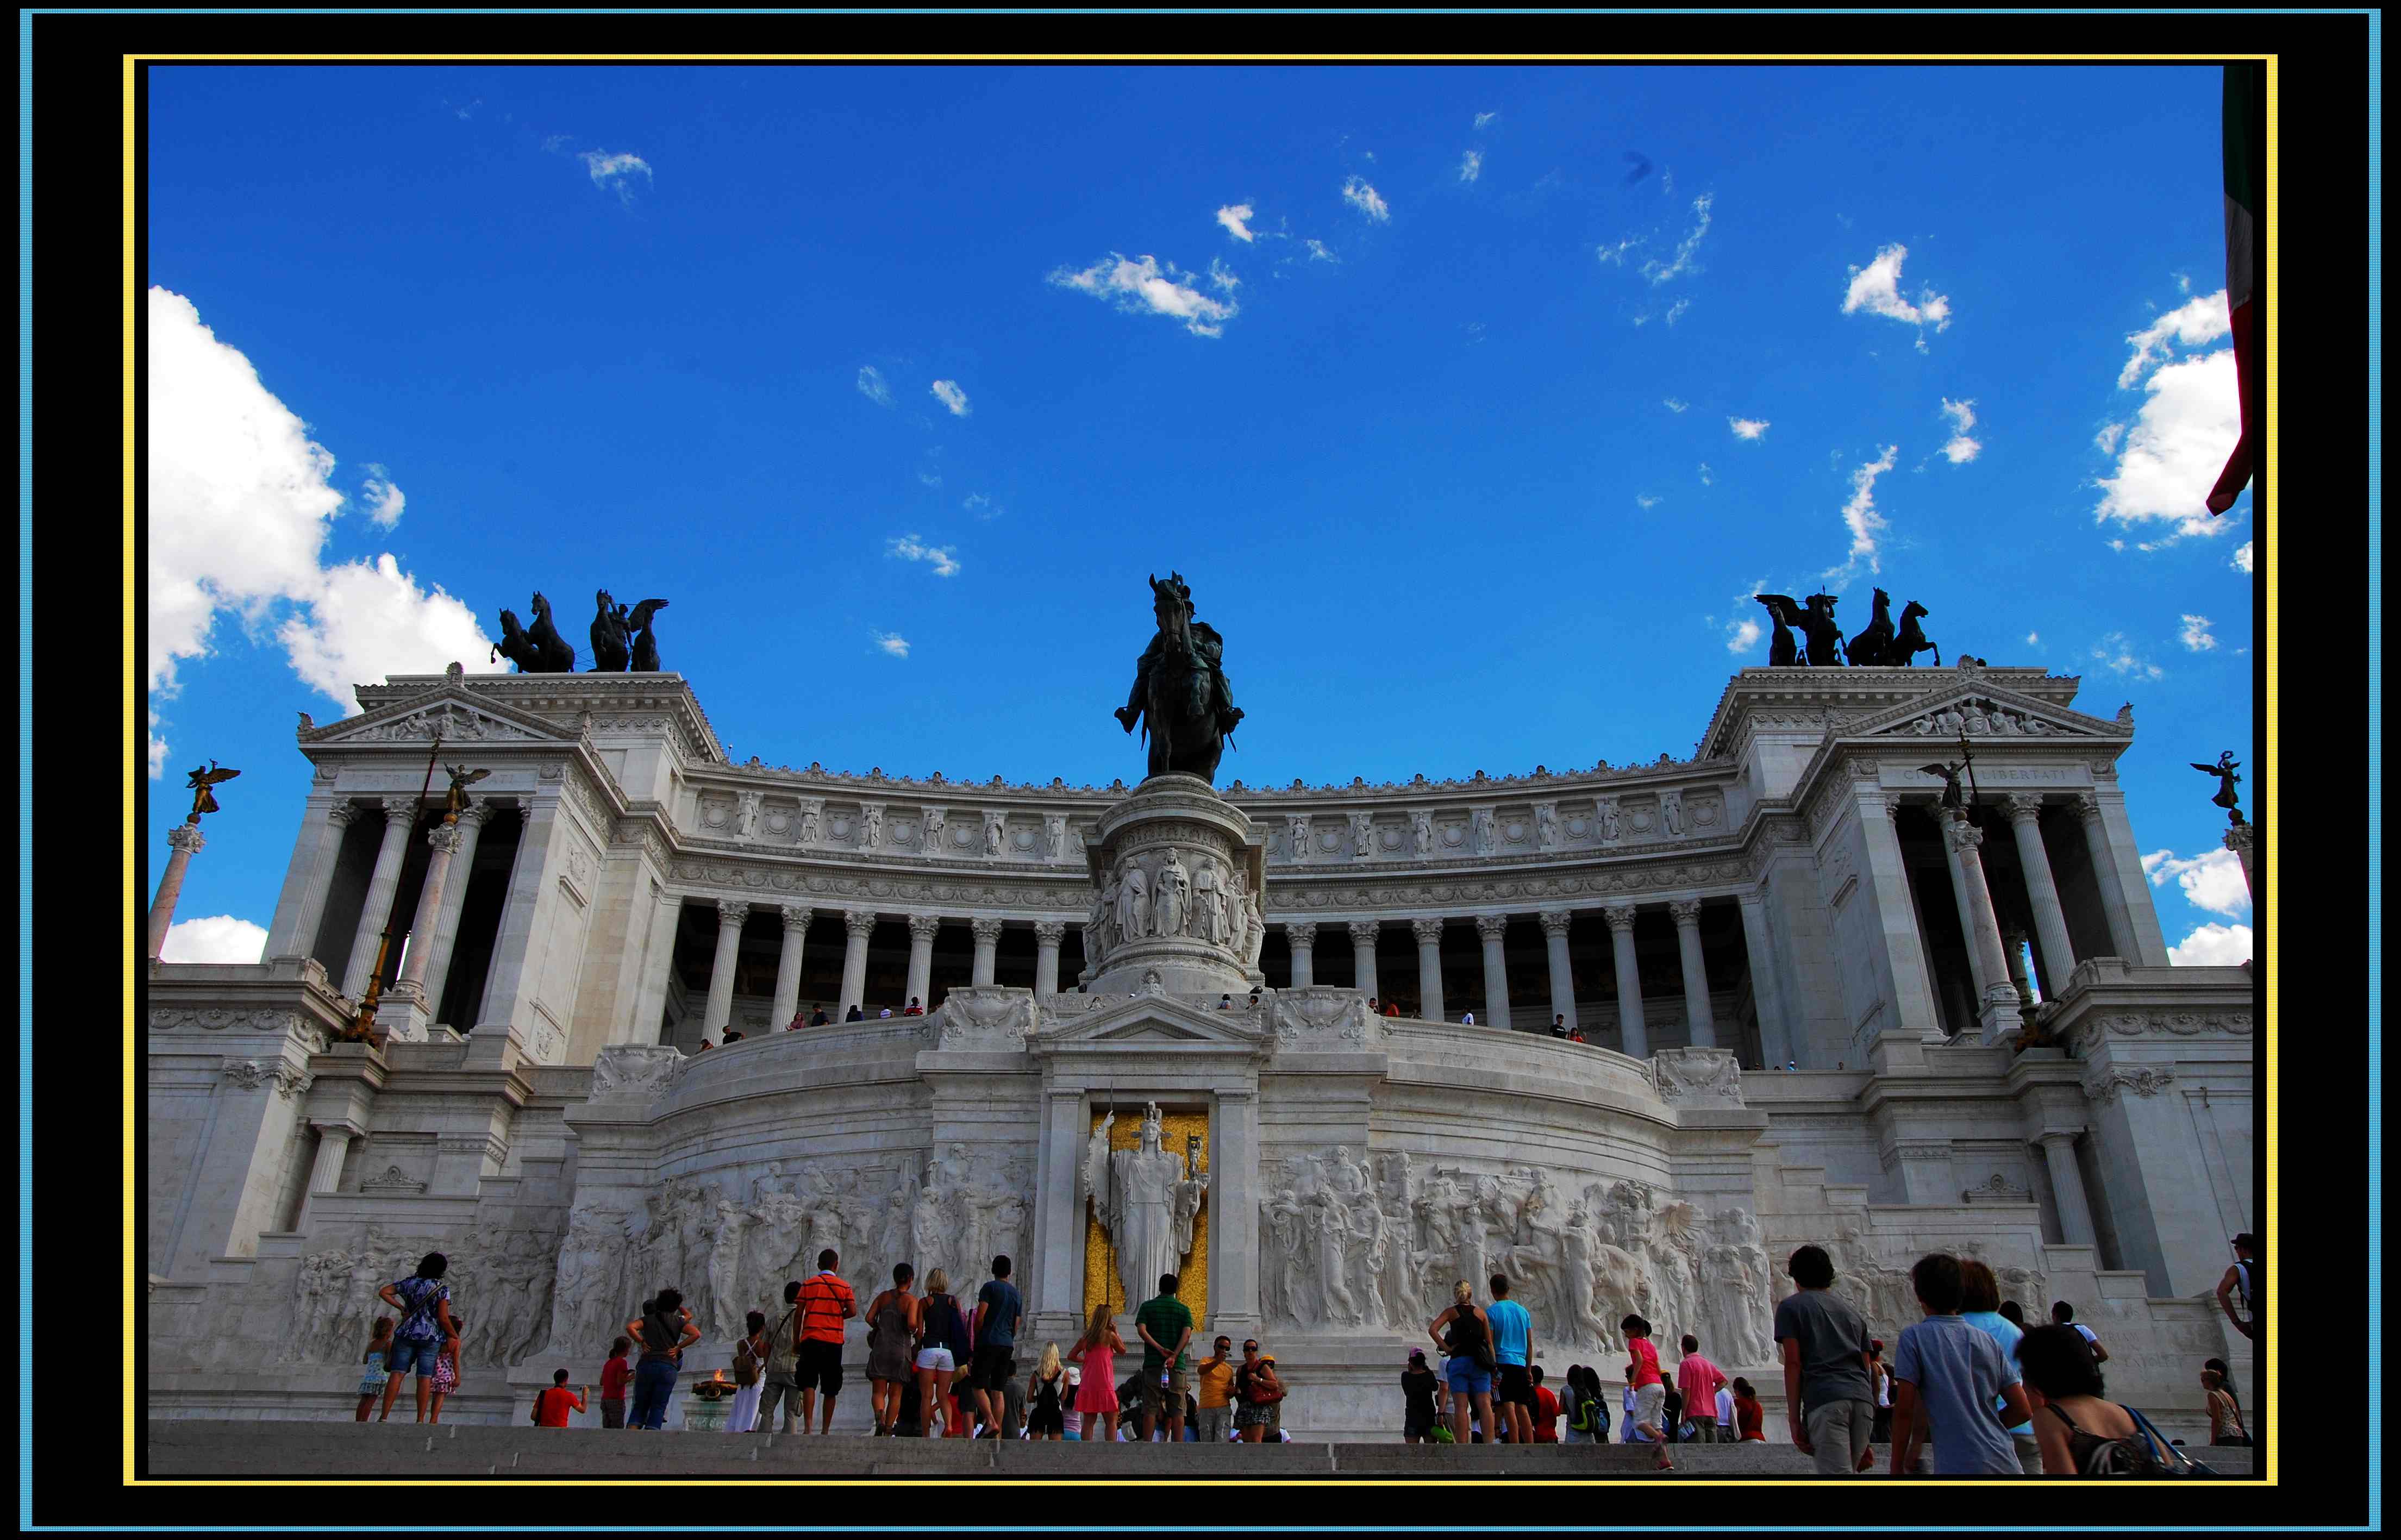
<point>2240,116</point>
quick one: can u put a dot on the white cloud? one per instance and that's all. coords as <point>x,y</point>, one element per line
<point>1484,117</point>
<point>1645,499</point>
<point>1360,196</point>
<point>385,500</point>
<point>1675,405</point>
<point>615,172</point>
<point>930,478</point>
<point>2116,654</point>
<point>2170,459</point>
<point>213,939</point>
<point>1320,252</point>
<point>1676,311</point>
<point>910,548</point>
<point>2034,638</point>
<point>1860,518</point>
<point>1706,480</point>
<point>240,507</point>
<point>1742,635</point>
<point>1237,218</point>
<point>368,620</point>
<point>952,396</point>
<point>1223,276</point>
<point>558,141</point>
<point>1660,272</point>
<point>2212,880</point>
<point>1876,289</point>
<point>1963,417</point>
<point>1146,286</point>
<point>2242,557</point>
<point>2213,947</point>
<point>981,506</point>
<point>2193,324</point>
<point>1470,165</point>
<point>158,748</point>
<point>1747,427</point>
<point>2183,282</point>
<point>2195,634</point>
<point>889,644</point>
<point>2106,439</point>
<point>1616,254</point>
<point>871,386</point>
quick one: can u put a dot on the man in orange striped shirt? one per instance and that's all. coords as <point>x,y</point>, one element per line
<point>824,1304</point>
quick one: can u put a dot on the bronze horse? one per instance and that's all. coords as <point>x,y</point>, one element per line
<point>646,645</point>
<point>1873,646</point>
<point>1179,691</point>
<point>557,654</point>
<point>1782,653</point>
<point>515,646</point>
<point>1912,640</point>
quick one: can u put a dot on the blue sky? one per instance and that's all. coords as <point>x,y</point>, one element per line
<point>1472,402</point>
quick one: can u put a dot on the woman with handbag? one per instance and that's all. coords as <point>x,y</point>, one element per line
<point>1470,1366</point>
<point>749,1354</point>
<point>1256,1385</point>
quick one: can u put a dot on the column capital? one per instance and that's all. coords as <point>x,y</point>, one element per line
<point>1300,932</point>
<point>2023,806</point>
<point>859,922</point>
<point>525,810</point>
<point>1426,932</point>
<point>1621,917</point>
<point>1893,803</point>
<point>1491,926</point>
<point>444,837</point>
<point>474,814</point>
<point>186,837</point>
<point>924,928</point>
<point>1050,932</point>
<point>2086,805</point>
<point>337,1128</point>
<point>341,812</point>
<point>1965,837</point>
<point>1364,932</point>
<point>400,807</point>
<point>1687,912</point>
<point>985,927</point>
<point>796,917</point>
<point>731,914</point>
<point>2237,838</point>
<point>2058,1139</point>
<point>1555,921</point>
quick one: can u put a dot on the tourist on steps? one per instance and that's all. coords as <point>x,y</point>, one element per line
<point>1165,1323</point>
<point>378,1349</point>
<point>941,1347</point>
<point>551,1406</point>
<point>1046,1396</point>
<point>783,1369</point>
<point>1980,1306</point>
<point>826,1302</point>
<point>891,1349</point>
<point>423,1300</point>
<point>1946,1376</point>
<point>662,1332</point>
<point>445,1369</point>
<point>1259,1393</point>
<point>749,1369</point>
<point>614,1376</point>
<point>998,1306</point>
<point>1464,1334</point>
<point>1420,1399</point>
<point>1212,1381</point>
<point>1698,1381</point>
<point>1829,1403</point>
<point>1095,1356</point>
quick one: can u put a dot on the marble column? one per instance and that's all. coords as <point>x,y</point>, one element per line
<point>986,931</point>
<point>731,914</point>
<point>1048,935</point>
<point>796,919</point>
<point>2067,1187</point>
<point>2013,948</point>
<point>922,931</point>
<point>454,898</point>
<point>301,908</point>
<point>1554,941</point>
<point>400,816</point>
<point>1687,912</point>
<point>1362,956</point>
<point>2042,891</point>
<point>325,1175</point>
<point>1491,929</point>
<point>1982,972</point>
<point>859,924</point>
<point>1766,993</point>
<point>1429,935</point>
<point>1996,998</point>
<point>185,839</point>
<point>444,840</point>
<point>1302,934</point>
<point>1913,1008</point>
<point>2105,873</point>
<point>1634,1040</point>
<point>2237,838</point>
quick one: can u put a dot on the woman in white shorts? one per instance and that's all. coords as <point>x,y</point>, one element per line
<point>941,1347</point>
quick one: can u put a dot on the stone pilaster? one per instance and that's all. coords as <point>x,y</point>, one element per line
<point>1491,929</point>
<point>1429,935</point>
<point>1912,979</point>
<point>302,906</point>
<point>2042,891</point>
<point>1687,913</point>
<point>2105,874</point>
<point>185,839</point>
<point>325,1173</point>
<point>2067,1186</point>
<point>1555,942</point>
<point>1634,1039</point>
<point>1766,993</point>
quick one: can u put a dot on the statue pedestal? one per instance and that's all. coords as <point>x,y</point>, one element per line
<point>1184,876</point>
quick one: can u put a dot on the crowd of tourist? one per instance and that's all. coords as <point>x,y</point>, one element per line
<point>1969,1390</point>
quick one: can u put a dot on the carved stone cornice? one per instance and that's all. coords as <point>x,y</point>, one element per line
<point>2105,1086</point>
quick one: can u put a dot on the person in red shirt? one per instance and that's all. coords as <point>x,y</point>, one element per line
<point>1747,1413</point>
<point>614,1376</point>
<point>824,1304</point>
<point>1650,1389</point>
<point>1546,1409</point>
<point>1698,1380</point>
<point>551,1406</point>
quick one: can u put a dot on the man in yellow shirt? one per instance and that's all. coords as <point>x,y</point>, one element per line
<point>1213,1391</point>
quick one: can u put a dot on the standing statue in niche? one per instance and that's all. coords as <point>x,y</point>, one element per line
<point>1169,905</point>
<point>1133,905</point>
<point>1254,928</point>
<point>1146,1201</point>
<point>1422,831</point>
<point>1208,902</point>
<point>1179,694</point>
<point>1096,924</point>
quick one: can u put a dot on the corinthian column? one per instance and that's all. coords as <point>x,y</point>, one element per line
<point>454,898</point>
<point>1362,956</point>
<point>1687,913</point>
<point>1997,1005</point>
<point>2237,838</point>
<point>860,924</point>
<point>729,915</point>
<point>1491,927</point>
<point>796,919</point>
<point>2042,892</point>
<point>1634,1040</point>
<point>184,838</point>
<point>1302,934</point>
<point>1429,935</point>
<point>922,931</point>
<point>400,816</point>
<point>1554,941</point>
<point>1048,934</point>
<point>986,931</point>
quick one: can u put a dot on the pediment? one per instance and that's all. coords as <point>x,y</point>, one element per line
<point>1148,1020</point>
<point>1982,711</point>
<point>451,712</point>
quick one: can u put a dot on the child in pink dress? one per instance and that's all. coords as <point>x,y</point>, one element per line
<point>1096,1398</point>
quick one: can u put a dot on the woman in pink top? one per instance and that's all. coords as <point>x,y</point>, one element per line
<point>1096,1398</point>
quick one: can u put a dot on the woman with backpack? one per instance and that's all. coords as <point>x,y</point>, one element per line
<point>1464,1334</point>
<point>2080,1433</point>
<point>750,1365</point>
<point>941,1348</point>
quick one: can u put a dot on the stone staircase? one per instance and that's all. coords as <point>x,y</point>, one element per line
<point>343,1450</point>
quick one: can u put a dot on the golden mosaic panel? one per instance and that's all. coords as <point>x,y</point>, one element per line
<point>1175,1129</point>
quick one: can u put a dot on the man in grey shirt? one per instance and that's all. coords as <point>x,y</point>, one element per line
<point>1828,1399</point>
